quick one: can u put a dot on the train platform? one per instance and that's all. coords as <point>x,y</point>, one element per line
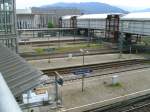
<point>76,61</point>
<point>49,39</point>
<point>99,91</point>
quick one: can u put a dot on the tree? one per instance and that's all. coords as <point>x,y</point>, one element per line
<point>50,24</point>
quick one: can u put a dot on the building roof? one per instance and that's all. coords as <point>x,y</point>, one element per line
<point>23,11</point>
<point>29,12</point>
<point>93,16</point>
<point>19,75</point>
<point>68,16</point>
<point>137,16</point>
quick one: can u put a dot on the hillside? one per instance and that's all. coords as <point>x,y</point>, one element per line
<point>88,7</point>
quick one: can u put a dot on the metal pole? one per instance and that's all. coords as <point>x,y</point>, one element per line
<point>83,57</point>
<point>61,95</point>
<point>82,82</point>
<point>56,90</point>
<point>7,100</point>
<point>89,32</point>
<point>74,34</point>
<point>130,49</point>
<point>49,49</point>
<point>58,34</point>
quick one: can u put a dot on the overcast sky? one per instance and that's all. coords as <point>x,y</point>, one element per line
<point>125,4</point>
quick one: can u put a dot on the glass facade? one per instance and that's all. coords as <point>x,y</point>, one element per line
<point>7,24</point>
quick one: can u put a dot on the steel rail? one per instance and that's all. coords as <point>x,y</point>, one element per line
<point>67,70</point>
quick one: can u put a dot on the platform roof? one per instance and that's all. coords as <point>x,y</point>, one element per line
<point>69,16</point>
<point>19,75</point>
<point>137,16</point>
<point>93,16</point>
<point>46,29</point>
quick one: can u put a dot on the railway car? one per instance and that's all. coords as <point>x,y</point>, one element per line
<point>69,21</point>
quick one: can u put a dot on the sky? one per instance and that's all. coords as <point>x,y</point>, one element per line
<point>129,5</point>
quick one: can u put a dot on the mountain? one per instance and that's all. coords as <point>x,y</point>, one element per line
<point>88,7</point>
<point>144,10</point>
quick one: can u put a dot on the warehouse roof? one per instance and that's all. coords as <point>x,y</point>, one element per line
<point>19,75</point>
<point>93,16</point>
<point>137,16</point>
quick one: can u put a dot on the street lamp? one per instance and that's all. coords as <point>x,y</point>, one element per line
<point>83,51</point>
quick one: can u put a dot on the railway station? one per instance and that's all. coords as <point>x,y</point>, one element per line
<point>87,63</point>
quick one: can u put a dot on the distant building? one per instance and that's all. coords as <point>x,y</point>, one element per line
<point>39,17</point>
<point>59,12</point>
<point>7,24</point>
<point>26,19</point>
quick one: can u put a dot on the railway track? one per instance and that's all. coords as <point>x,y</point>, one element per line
<point>50,41</point>
<point>117,64</point>
<point>138,104</point>
<point>142,108</point>
<point>33,56</point>
<point>54,44</point>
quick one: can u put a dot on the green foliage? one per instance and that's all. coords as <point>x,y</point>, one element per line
<point>78,47</point>
<point>39,50</point>
<point>146,40</point>
<point>115,85</point>
<point>50,25</point>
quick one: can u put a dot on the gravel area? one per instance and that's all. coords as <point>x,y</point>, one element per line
<point>99,89</point>
<point>96,90</point>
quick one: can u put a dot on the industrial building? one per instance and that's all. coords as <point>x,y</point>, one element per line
<point>38,18</point>
<point>26,19</point>
<point>59,12</point>
<point>7,24</point>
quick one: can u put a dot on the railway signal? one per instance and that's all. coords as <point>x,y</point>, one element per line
<point>58,81</point>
